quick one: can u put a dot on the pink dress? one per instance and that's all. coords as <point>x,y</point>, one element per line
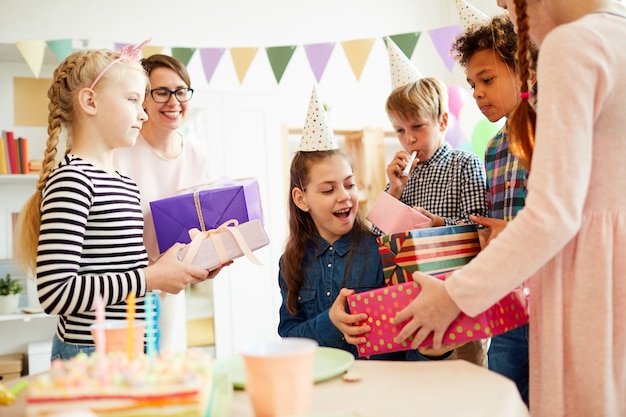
<point>571,236</point>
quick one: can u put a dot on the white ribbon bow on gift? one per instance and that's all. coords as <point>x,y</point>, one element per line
<point>229,226</point>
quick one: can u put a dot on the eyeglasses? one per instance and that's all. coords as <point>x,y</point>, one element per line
<point>163,95</point>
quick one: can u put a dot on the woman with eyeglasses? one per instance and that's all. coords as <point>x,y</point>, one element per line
<point>162,162</point>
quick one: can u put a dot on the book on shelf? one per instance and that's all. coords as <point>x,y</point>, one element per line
<point>14,154</point>
<point>13,167</point>
<point>22,147</point>
<point>3,158</point>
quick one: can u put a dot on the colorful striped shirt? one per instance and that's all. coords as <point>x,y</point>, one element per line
<point>506,179</point>
<point>91,241</point>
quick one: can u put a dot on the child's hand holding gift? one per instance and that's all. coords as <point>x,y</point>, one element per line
<point>345,322</point>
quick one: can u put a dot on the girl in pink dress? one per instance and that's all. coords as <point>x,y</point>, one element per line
<point>570,238</point>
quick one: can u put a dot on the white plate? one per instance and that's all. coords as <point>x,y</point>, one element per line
<point>329,362</point>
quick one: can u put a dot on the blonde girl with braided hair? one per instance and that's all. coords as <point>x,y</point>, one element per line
<point>570,238</point>
<point>81,232</point>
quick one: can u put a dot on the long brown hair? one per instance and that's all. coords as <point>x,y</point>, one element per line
<point>523,119</point>
<point>302,230</point>
<point>76,72</point>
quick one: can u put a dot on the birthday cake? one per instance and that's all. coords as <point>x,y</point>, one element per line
<point>172,384</point>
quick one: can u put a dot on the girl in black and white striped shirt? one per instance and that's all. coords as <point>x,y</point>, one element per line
<point>82,230</point>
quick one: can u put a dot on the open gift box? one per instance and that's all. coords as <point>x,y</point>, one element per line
<point>391,215</point>
<point>205,208</point>
<point>211,249</point>
<point>382,305</point>
<point>432,250</point>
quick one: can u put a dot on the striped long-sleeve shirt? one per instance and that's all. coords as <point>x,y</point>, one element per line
<point>90,242</point>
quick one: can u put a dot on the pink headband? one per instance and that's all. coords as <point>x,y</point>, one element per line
<point>128,52</point>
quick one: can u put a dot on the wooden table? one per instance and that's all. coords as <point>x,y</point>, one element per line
<point>398,389</point>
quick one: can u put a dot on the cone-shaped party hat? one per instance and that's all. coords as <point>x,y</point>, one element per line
<point>317,135</point>
<point>402,69</point>
<point>470,16</point>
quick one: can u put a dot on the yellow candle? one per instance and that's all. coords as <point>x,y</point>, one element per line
<point>130,320</point>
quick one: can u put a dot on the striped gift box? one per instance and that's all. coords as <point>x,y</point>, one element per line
<point>433,250</point>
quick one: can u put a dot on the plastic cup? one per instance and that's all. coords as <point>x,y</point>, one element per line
<point>116,334</point>
<point>279,376</point>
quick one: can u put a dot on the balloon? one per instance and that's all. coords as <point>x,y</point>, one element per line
<point>484,131</point>
<point>454,135</point>
<point>469,117</point>
<point>457,98</point>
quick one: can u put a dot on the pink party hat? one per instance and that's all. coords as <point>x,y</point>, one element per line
<point>402,69</point>
<point>317,135</point>
<point>470,16</point>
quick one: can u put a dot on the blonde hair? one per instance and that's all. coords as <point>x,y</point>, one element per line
<point>426,99</point>
<point>76,72</point>
<point>523,119</point>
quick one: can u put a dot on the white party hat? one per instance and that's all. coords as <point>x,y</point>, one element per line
<point>317,135</point>
<point>402,69</point>
<point>470,16</point>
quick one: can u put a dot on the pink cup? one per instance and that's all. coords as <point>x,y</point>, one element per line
<point>116,334</point>
<point>279,376</point>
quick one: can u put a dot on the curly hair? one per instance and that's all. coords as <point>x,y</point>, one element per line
<point>517,52</point>
<point>498,35</point>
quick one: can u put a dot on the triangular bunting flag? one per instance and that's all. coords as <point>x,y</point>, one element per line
<point>33,52</point>
<point>318,55</point>
<point>119,46</point>
<point>183,54</point>
<point>357,52</point>
<point>443,38</point>
<point>62,48</point>
<point>406,42</point>
<point>210,58</point>
<point>150,50</point>
<point>242,58</point>
<point>279,57</point>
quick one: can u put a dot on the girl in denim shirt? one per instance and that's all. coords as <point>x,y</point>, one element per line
<point>329,255</point>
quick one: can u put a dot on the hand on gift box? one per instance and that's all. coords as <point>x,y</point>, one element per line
<point>170,275</point>
<point>344,321</point>
<point>492,228</point>
<point>433,353</point>
<point>213,272</point>
<point>431,311</point>
<point>435,221</point>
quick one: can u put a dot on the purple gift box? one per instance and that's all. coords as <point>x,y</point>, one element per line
<point>205,208</point>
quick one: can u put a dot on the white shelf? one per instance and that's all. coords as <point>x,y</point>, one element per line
<point>18,178</point>
<point>23,317</point>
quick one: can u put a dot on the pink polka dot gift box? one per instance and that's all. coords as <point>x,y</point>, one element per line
<point>382,305</point>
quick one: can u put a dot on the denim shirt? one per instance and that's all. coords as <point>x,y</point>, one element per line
<point>324,278</point>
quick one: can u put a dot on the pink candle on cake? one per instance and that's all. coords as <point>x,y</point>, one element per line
<point>130,320</point>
